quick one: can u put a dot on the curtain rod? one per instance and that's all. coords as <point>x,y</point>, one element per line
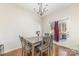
<point>61,19</point>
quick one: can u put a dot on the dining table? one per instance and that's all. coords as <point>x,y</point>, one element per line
<point>34,41</point>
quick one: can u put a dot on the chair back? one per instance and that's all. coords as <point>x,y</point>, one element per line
<point>46,41</point>
<point>51,39</point>
<point>1,50</point>
<point>23,42</point>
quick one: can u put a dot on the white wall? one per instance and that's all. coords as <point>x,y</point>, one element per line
<point>14,21</point>
<point>72,12</point>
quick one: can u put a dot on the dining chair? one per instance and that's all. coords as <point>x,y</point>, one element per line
<point>25,46</point>
<point>44,45</point>
<point>1,50</point>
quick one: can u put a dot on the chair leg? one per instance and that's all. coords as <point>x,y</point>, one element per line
<point>48,51</point>
<point>30,52</point>
<point>41,53</point>
<point>26,53</point>
<point>22,52</point>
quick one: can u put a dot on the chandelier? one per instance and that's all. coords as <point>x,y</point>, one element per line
<point>42,9</point>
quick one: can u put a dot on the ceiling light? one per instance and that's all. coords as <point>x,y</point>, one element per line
<point>42,9</point>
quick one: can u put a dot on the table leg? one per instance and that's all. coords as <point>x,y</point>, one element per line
<point>32,50</point>
<point>56,50</point>
<point>50,50</point>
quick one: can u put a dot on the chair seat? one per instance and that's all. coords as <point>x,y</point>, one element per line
<point>28,48</point>
<point>42,47</point>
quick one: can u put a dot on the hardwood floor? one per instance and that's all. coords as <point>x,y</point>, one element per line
<point>18,52</point>
<point>56,51</point>
<point>63,51</point>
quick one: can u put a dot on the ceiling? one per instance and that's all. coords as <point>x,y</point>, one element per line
<point>52,7</point>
